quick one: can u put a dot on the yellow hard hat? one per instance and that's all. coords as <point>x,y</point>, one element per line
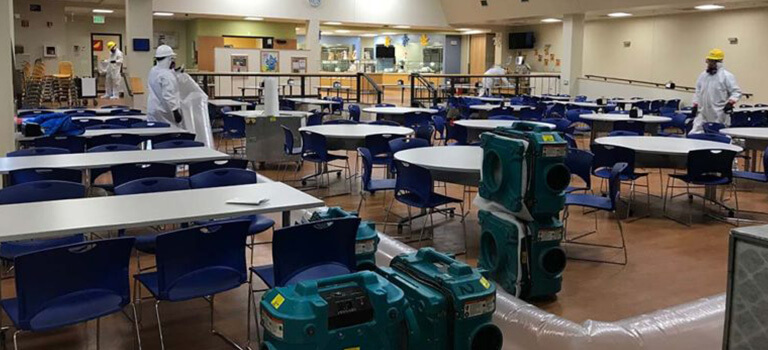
<point>716,55</point>
<point>111,44</point>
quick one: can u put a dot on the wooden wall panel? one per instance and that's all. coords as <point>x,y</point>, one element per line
<point>205,55</point>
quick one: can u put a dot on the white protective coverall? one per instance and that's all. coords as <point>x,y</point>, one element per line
<point>713,91</point>
<point>113,85</point>
<point>490,83</point>
<point>163,96</point>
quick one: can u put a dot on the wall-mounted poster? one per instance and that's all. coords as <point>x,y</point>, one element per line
<point>239,63</point>
<point>49,51</point>
<point>270,61</point>
<point>167,38</point>
<point>298,64</point>
<point>98,45</point>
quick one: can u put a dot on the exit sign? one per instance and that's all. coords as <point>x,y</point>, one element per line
<point>98,19</point>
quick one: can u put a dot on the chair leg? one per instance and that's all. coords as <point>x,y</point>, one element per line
<point>464,227</point>
<point>217,333</point>
<point>623,242</point>
<point>98,333</point>
<point>386,216</point>
<point>15,340</point>
<point>136,324</point>
<point>159,324</point>
<point>424,226</point>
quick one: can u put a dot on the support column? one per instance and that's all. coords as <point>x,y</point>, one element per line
<point>313,45</point>
<point>139,25</point>
<point>7,141</point>
<point>573,53</point>
<point>501,54</point>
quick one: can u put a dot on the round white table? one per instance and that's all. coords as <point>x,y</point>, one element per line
<point>755,140</point>
<point>603,122</point>
<point>581,104</point>
<point>488,124</point>
<point>356,131</point>
<point>489,99</point>
<point>553,97</point>
<point>398,110</point>
<point>665,146</point>
<point>305,102</point>
<point>454,164</point>
<point>489,107</point>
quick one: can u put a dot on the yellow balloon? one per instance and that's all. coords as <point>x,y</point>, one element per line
<point>424,40</point>
<point>387,41</point>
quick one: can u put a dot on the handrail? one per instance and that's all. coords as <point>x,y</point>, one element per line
<point>632,81</point>
<point>127,83</point>
<point>376,87</point>
<point>261,74</point>
<point>426,83</point>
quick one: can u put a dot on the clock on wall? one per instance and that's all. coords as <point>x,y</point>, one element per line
<point>315,3</point>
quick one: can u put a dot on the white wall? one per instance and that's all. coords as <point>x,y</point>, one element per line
<point>597,89</point>
<point>222,62</point>
<point>547,35</point>
<point>33,38</point>
<point>403,12</point>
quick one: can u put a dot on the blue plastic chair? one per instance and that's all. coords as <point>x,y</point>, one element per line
<point>605,157</point>
<point>75,144</point>
<point>315,118</point>
<point>105,126</point>
<point>126,122</point>
<point>622,133</point>
<point>37,151</point>
<point>439,122</point>
<point>425,132</point>
<point>315,150</point>
<point>555,110</point>
<point>385,105</point>
<point>415,120</point>
<point>26,114</point>
<point>146,124</point>
<point>579,162</point>
<point>115,107</point>
<point>233,177</point>
<point>580,125</point>
<point>378,146</point>
<point>679,122</point>
<point>673,104</point>
<point>561,124</point>
<point>415,188</point>
<point>145,243</point>
<point>327,249</point>
<point>113,148</point>
<point>713,128</point>
<point>721,138</point>
<point>709,167</point>
<point>354,112</point>
<point>172,137</point>
<point>87,123</point>
<point>125,173</point>
<point>114,139</point>
<point>369,184</point>
<point>404,143</point>
<point>125,111</point>
<point>636,127</point>
<point>39,174</point>
<point>197,262</point>
<point>755,176</point>
<point>530,114</point>
<point>340,122</point>
<point>501,111</point>
<point>571,141</point>
<point>38,191</point>
<point>384,122</point>
<point>459,134</point>
<point>100,286</point>
<point>291,151</point>
<point>740,120</point>
<point>234,129</point>
<point>177,144</point>
<point>599,203</point>
<point>503,117</point>
<point>200,167</point>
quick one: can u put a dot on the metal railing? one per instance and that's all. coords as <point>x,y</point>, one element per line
<point>435,88</point>
<point>352,87</point>
<point>649,84</point>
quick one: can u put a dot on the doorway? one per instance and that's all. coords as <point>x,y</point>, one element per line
<point>99,52</point>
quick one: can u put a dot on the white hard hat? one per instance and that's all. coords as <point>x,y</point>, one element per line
<point>164,51</point>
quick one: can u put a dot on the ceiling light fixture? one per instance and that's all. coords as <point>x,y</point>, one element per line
<point>253,19</point>
<point>102,11</point>
<point>163,14</point>
<point>476,31</point>
<point>389,33</point>
<point>332,23</point>
<point>619,14</point>
<point>709,7</point>
<point>464,29</point>
<point>342,31</point>
<point>368,35</point>
<point>551,20</point>
<point>402,27</point>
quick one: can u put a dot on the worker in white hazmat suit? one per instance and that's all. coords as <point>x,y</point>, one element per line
<point>716,93</point>
<point>164,100</point>
<point>113,74</point>
<point>490,83</point>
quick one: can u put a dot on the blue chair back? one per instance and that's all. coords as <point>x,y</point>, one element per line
<point>656,105</point>
<point>415,180</point>
<point>124,173</point>
<point>378,144</point>
<point>673,104</point>
<point>288,143</point>
<point>104,126</point>
<point>114,139</point>
<point>125,111</point>
<point>40,174</point>
<point>555,110</point>
<point>115,107</point>
<point>152,185</point>
<point>37,151</point>
<point>38,191</point>
<point>146,124</point>
<point>425,132</point>
<point>202,260</point>
<point>223,177</point>
<point>740,120</point>
<point>112,148</point>
<point>633,126</point>
<point>172,137</point>
<point>367,158</point>
<point>502,117</point>
<point>579,162</point>
<point>87,123</point>
<point>501,111</point>
<point>234,126</point>
<point>580,98</point>
<point>404,143</point>
<point>326,246</point>
<point>614,182</point>
<point>530,114</point>
<point>458,133</point>
<point>286,105</point>
<point>439,122</point>
<point>710,165</point>
<point>645,106</point>
<point>126,122</point>
<point>200,167</point>
<point>33,113</point>
<point>177,144</point>
<point>101,272</point>
<point>315,118</point>
<point>415,120</point>
<point>314,144</point>
<point>571,141</point>
<point>340,121</point>
<point>622,133</point>
<point>608,156</point>
<point>354,112</point>
<point>385,122</point>
<point>385,105</point>
<point>711,137</point>
<point>75,144</point>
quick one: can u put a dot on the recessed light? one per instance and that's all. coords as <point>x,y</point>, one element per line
<point>163,14</point>
<point>368,35</point>
<point>342,31</point>
<point>253,19</point>
<point>551,20</point>
<point>389,33</point>
<point>709,7</point>
<point>619,14</point>
<point>332,23</point>
<point>102,11</point>
<point>402,27</point>
<point>464,29</point>
<point>474,31</point>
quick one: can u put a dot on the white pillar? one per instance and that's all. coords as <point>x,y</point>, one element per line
<point>138,25</point>
<point>7,141</point>
<point>500,43</point>
<point>573,53</point>
<point>313,45</point>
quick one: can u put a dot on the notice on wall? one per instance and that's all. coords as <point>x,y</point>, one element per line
<point>167,38</point>
<point>239,63</point>
<point>298,64</point>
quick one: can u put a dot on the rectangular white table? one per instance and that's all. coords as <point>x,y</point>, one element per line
<point>72,216</point>
<point>98,111</point>
<point>105,118</point>
<point>143,132</point>
<point>260,114</point>
<point>107,159</point>
<point>225,102</point>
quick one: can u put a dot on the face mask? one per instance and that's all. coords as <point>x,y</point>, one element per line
<point>713,68</point>
<point>173,64</point>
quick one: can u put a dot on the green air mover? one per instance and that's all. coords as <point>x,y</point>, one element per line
<point>523,170</point>
<point>452,303</point>
<point>361,311</point>
<point>367,236</point>
<point>546,258</point>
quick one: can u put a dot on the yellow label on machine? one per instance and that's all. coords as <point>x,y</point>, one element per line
<point>273,119</point>
<point>355,348</point>
<point>277,301</point>
<point>548,138</point>
<point>485,283</point>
